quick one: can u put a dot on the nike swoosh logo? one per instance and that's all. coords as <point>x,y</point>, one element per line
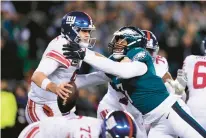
<point>167,116</point>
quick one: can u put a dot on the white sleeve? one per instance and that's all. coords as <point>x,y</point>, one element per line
<point>123,70</point>
<point>92,79</point>
<point>47,66</point>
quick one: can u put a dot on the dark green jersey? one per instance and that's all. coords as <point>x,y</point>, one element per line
<point>146,91</point>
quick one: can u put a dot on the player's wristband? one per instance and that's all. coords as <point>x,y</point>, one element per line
<point>44,83</point>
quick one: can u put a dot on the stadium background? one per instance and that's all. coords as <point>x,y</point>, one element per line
<point>27,28</point>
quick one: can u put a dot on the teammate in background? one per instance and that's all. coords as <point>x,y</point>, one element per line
<point>194,76</point>
<point>54,70</point>
<point>117,124</point>
<point>161,66</point>
<point>146,91</point>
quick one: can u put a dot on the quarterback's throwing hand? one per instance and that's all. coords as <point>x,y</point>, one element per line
<point>72,50</point>
<point>62,90</point>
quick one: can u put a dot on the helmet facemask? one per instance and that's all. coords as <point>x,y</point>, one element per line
<point>84,42</point>
<point>132,36</point>
<point>116,47</point>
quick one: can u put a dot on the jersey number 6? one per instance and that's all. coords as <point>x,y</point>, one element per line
<point>199,75</point>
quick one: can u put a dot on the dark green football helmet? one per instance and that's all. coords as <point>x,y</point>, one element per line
<point>132,35</point>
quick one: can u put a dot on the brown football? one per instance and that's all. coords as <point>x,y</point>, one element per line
<point>70,102</point>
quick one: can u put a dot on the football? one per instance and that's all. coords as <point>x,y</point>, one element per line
<point>69,103</point>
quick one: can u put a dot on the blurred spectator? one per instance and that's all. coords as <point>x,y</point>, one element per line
<point>11,64</point>
<point>21,95</point>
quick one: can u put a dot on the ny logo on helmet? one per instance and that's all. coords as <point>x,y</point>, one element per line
<point>70,20</point>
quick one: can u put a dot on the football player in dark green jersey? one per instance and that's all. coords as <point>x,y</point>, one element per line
<point>143,87</point>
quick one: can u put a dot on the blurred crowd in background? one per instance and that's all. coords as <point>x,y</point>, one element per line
<point>28,27</point>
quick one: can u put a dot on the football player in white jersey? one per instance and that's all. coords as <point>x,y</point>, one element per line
<point>54,70</point>
<point>194,74</point>
<point>117,124</point>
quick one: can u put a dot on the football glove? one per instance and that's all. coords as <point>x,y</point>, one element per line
<point>180,83</point>
<point>179,90</point>
<point>72,50</point>
<point>181,77</point>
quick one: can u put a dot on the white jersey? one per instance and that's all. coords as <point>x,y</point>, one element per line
<point>62,127</point>
<point>161,66</point>
<point>195,68</point>
<point>62,74</point>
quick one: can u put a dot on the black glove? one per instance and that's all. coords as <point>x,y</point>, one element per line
<point>73,51</point>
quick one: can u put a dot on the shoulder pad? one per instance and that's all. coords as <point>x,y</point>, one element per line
<point>55,52</point>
